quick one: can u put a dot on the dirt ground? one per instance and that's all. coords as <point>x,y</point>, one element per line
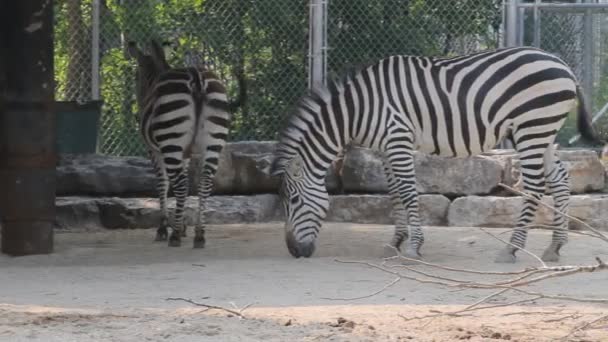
<point>113,286</point>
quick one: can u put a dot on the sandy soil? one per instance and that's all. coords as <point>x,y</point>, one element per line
<point>113,285</point>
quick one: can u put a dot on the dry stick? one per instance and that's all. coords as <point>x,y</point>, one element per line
<point>395,281</point>
<point>586,325</point>
<point>466,310</point>
<point>447,268</point>
<point>209,307</point>
<point>476,285</point>
<point>512,245</point>
<point>558,271</point>
<point>545,227</point>
<point>598,234</point>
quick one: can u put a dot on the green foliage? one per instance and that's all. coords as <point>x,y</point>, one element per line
<point>266,41</point>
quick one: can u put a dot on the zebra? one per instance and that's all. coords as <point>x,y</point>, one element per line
<point>184,113</point>
<point>454,107</point>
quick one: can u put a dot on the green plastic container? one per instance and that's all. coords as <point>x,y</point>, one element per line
<point>77,126</point>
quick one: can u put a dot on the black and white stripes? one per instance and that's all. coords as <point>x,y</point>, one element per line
<point>184,114</point>
<point>453,107</point>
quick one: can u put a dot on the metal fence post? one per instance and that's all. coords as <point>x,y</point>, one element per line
<point>536,13</point>
<point>95,85</point>
<point>588,56</point>
<point>511,39</point>
<point>511,22</point>
<point>317,43</point>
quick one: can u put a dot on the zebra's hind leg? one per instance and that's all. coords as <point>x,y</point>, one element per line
<point>399,212</point>
<point>205,186</point>
<point>180,189</point>
<point>558,185</point>
<point>533,177</point>
<point>400,154</point>
<point>162,186</point>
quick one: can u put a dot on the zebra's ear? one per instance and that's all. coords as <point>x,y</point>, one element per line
<point>158,56</point>
<point>134,51</point>
<point>294,167</point>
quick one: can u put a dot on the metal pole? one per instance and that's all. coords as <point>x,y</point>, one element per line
<point>536,12</point>
<point>317,43</point>
<point>588,57</point>
<point>95,83</point>
<point>511,7</point>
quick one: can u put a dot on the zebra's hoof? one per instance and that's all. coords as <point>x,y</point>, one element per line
<point>412,253</point>
<point>175,240</point>
<point>390,252</point>
<point>199,242</point>
<point>550,255</point>
<point>161,235</point>
<point>506,256</point>
<point>183,233</point>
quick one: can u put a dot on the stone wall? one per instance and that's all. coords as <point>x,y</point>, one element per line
<point>119,192</point>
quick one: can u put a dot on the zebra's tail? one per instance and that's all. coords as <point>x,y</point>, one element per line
<point>242,97</point>
<point>584,123</point>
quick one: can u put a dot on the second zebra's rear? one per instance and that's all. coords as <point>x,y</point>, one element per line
<point>184,114</point>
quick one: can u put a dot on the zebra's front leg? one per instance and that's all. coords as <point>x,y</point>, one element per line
<point>399,212</point>
<point>162,186</point>
<point>180,189</point>
<point>401,161</point>
<point>558,186</point>
<point>533,178</point>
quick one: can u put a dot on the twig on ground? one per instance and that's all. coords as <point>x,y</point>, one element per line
<point>551,228</point>
<point>474,308</point>
<point>395,281</point>
<point>399,256</point>
<point>585,326</point>
<point>210,307</point>
<point>476,285</point>
<point>512,245</point>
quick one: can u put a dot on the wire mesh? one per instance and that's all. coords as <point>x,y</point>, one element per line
<point>361,32</point>
<point>265,40</point>
<point>563,32</point>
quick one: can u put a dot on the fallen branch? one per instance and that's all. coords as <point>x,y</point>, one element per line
<point>210,307</point>
<point>545,227</point>
<point>475,285</point>
<point>518,248</point>
<point>395,281</point>
<point>586,326</point>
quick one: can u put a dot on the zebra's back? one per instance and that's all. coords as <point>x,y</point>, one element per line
<point>465,105</point>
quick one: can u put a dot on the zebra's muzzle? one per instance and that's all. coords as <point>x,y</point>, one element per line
<point>299,249</point>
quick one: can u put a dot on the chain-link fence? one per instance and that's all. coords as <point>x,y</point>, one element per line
<point>265,40</point>
<point>577,32</point>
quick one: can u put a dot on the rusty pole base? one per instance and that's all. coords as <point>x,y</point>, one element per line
<point>27,237</point>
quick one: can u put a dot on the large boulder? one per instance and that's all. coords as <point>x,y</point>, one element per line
<point>364,173</point>
<point>378,209</point>
<point>587,173</point>
<point>492,211</point>
<point>242,172</point>
<point>99,175</point>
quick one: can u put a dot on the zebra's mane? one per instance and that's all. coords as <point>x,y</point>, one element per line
<point>297,125</point>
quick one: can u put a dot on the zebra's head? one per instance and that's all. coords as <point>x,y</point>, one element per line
<point>148,68</point>
<point>305,201</point>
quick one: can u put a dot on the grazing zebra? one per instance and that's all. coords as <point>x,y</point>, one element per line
<point>453,107</point>
<point>184,113</point>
